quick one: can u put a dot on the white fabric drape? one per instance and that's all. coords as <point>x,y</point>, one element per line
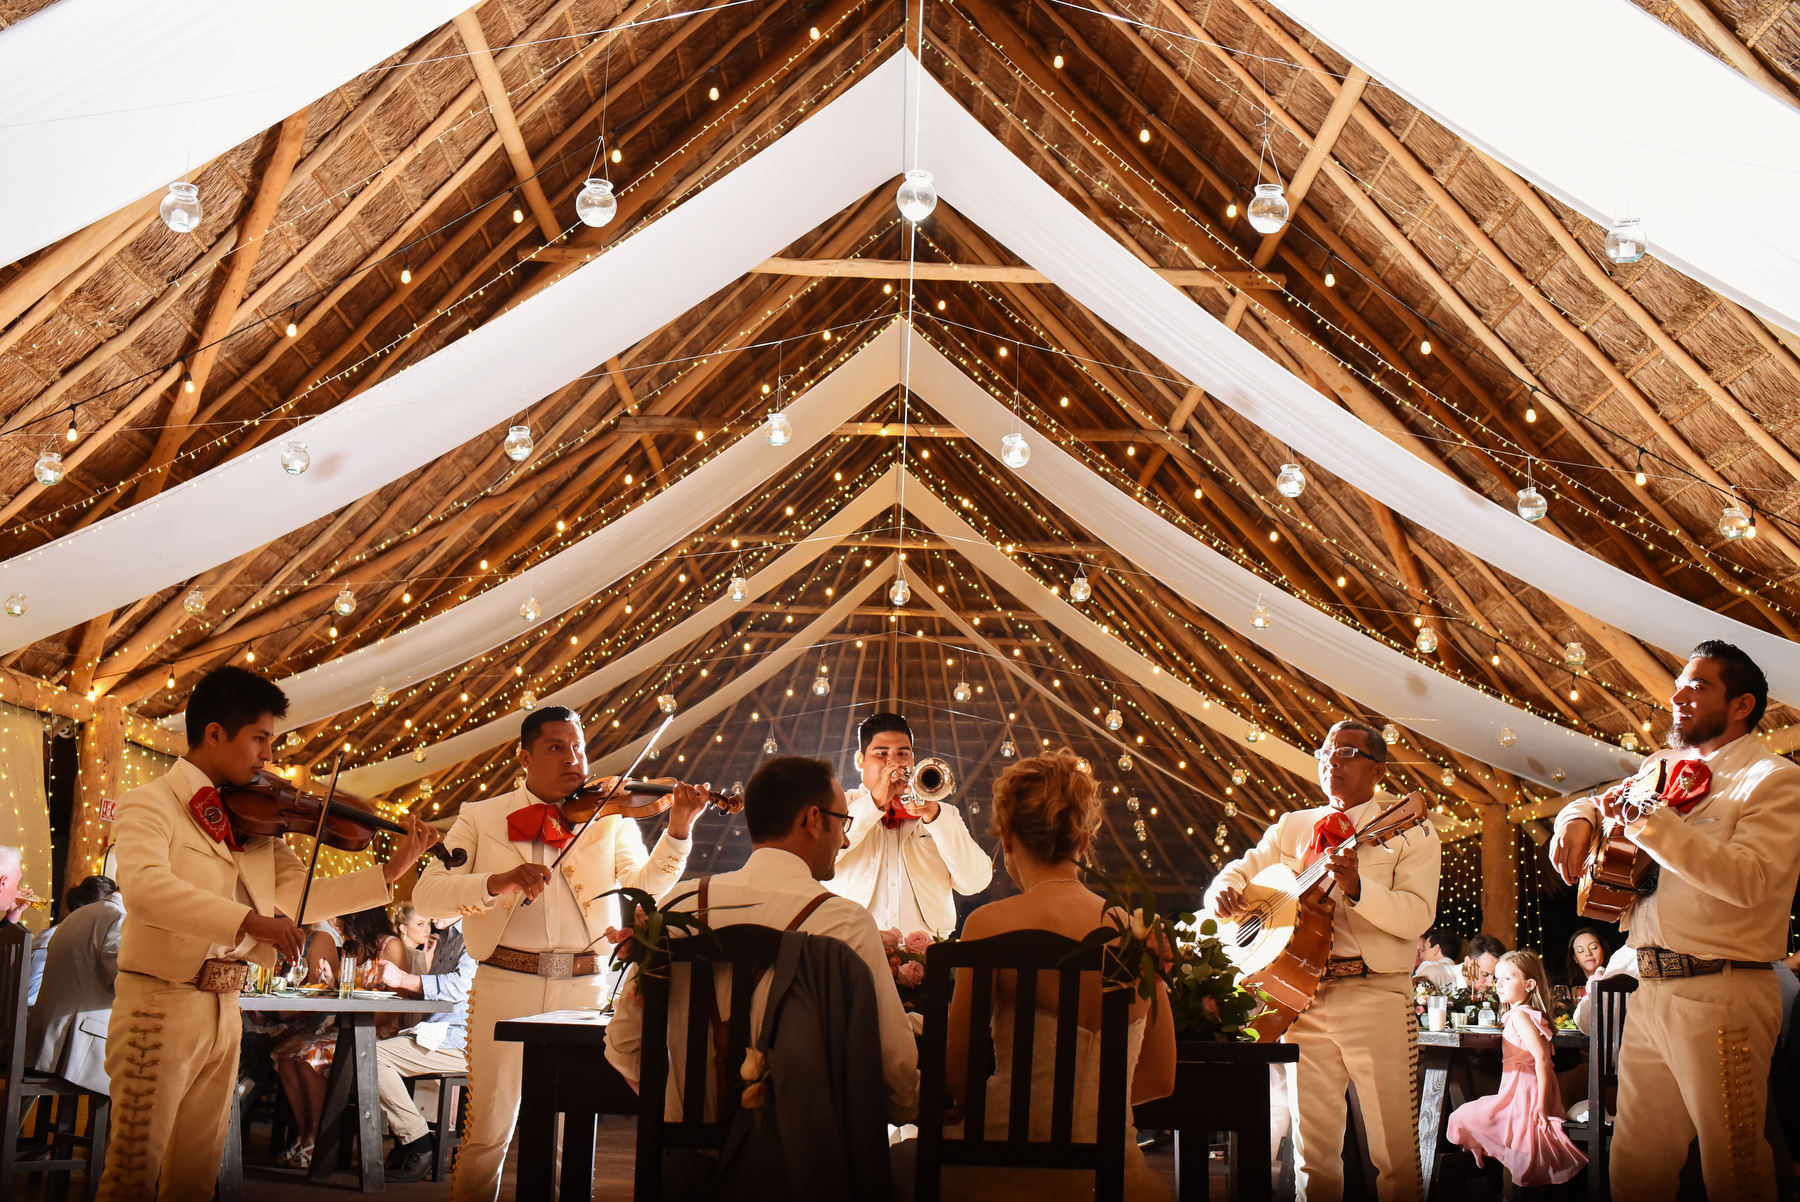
<point>1003,196</point>
<point>1610,111</point>
<point>104,101</point>
<point>24,808</point>
<point>434,406</point>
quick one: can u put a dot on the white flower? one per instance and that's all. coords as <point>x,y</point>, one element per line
<point>1140,930</point>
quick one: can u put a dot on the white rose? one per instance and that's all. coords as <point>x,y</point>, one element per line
<point>1140,930</point>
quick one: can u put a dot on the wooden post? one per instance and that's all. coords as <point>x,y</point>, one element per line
<point>1499,881</point>
<point>102,756</point>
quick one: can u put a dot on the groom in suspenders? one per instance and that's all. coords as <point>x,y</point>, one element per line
<point>1360,1027</point>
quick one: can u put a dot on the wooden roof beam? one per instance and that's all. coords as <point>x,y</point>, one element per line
<point>506,122</point>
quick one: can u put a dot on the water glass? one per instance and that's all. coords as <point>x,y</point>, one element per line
<point>346,975</point>
<point>1437,1013</point>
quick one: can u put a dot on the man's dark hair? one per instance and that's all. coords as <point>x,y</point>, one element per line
<point>1740,674</point>
<point>1377,746</point>
<point>234,698</point>
<point>1446,941</point>
<point>89,891</point>
<point>881,724</point>
<point>1485,945</point>
<point>541,717</point>
<point>782,790</point>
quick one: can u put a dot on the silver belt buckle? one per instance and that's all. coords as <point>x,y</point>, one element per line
<point>556,966</point>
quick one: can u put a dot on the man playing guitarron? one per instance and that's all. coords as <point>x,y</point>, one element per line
<point>1700,1029</point>
<point>1360,1025</point>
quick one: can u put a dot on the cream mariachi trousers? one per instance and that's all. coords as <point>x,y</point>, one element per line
<point>172,1054</point>
<point>495,1068</point>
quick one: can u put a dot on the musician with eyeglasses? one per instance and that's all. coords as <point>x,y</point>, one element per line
<point>1360,1025</point>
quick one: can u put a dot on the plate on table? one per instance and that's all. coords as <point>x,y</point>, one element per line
<point>1474,1030</point>
<point>373,995</point>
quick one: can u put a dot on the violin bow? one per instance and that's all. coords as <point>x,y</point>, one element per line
<point>618,784</point>
<point>312,863</point>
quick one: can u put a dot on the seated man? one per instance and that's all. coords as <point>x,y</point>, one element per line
<point>91,890</point>
<point>65,1032</point>
<point>1484,955</point>
<point>794,811</point>
<point>437,1045</point>
<point>1438,951</point>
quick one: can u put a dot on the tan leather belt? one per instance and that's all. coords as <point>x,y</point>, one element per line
<point>1346,966</point>
<point>556,966</point>
<point>1659,963</point>
<point>221,976</point>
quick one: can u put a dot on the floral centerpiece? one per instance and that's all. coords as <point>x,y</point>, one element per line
<point>906,960</point>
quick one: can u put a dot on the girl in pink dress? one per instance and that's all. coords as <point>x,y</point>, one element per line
<point>1521,1125</point>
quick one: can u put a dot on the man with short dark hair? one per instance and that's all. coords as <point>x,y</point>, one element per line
<point>65,1032</point>
<point>1360,1026</point>
<point>90,890</point>
<point>1702,1025</point>
<point>534,931</point>
<point>907,857</point>
<point>1484,957</point>
<point>1439,949</point>
<point>203,906</point>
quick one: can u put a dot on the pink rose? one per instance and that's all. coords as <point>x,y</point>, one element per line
<point>910,975</point>
<point>919,942</point>
<point>892,939</point>
<point>1209,1006</point>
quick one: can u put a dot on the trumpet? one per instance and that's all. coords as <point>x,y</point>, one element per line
<point>930,780</point>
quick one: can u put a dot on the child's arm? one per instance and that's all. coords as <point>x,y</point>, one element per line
<point>1533,1039</point>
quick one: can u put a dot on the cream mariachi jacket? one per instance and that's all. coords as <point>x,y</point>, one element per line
<point>1399,881</point>
<point>181,885</point>
<point>938,859</point>
<point>609,854</point>
<point>1728,866</point>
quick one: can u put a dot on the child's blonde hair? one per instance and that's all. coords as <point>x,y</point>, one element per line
<point>1537,982</point>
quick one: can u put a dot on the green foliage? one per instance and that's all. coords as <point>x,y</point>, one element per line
<point>1204,994</point>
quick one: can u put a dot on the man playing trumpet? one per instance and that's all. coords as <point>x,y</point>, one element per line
<point>908,854</point>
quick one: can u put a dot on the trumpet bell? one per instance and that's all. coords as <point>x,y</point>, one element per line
<point>932,780</point>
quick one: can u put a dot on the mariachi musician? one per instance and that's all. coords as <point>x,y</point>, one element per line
<point>533,931</point>
<point>204,904</point>
<point>1701,1027</point>
<point>1360,1026</point>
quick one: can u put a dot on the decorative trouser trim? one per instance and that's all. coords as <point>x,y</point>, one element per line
<point>131,1163</point>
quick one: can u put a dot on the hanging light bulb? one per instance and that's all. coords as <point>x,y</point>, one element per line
<point>1259,617</point>
<point>530,610</point>
<point>180,209</point>
<point>821,684</point>
<point>518,443</point>
<point>1057,62</point>
<point>194,604</point>
<point>1231,211</point>
<point>74,431</point>
<point>1447,778</point>
<point>1390,734</point>
<point>345,602</point>
<point>293,330</point>
<point>518,211</point>
<point>1268,210</point>
<point>1531,504</point>
<point>406,273</point>
<point>1253,733</point>
<point>295,458</point>
<point>1079,588</point>
<point>1625,241</point>
<point>916,196</point>
<point>48,469</point>
<point>901,593</point>
<point>779,429</point>
<point>170,683</point>
<point>15,604</point>
<point>1330,278</point>
<point>1290,481</point>
<point>1508,736</point>
<point>665,702</point>
<point>1427,640</point>
<point>740,589</point>
<point>379,697</point>
<point>528,699</point>
<point>1734,523</point>
<point>1015,452</point>
<point>712,93</point>
<point>1126,763</point>
<point>1114,719</point>
<point>962,691</point>
<point>595,204</point>
<point>770,746</point>
<point>1574,656</point>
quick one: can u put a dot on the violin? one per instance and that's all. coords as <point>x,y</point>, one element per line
<point>269,807</point>
<point>635,799</point>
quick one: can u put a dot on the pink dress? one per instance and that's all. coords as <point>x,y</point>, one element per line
<point>1511,1125</point>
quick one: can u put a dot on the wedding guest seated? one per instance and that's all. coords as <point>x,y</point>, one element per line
<point>91,890</point>
<point>414,931</point>
<point>1521,1125</point>
<point>1439,950</point>
<point>437,1045</point>
<point>1484,954</point>
<point>65,1032</point>
<point>1623,962</point>
<point>1046,812</point>
<point>1585,960</point>
<point>304,1061</point>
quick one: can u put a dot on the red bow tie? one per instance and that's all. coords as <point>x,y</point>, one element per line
<point>1331,830</point>
<point>540,820</point>
<point>209,811</point>
<point>896,816</point>
<point>1687,784</point>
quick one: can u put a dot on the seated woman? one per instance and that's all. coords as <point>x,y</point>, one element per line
<point>304,1061</point>
<point>1521,1125</point>
<point>1046,811</point>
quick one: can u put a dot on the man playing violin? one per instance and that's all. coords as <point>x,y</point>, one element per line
<point>204,906</point>
<point>1700,1029</point>
<point>1360,1026</point>
<point>534,931</point>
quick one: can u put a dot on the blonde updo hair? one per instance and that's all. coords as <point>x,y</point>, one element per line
<point>1047,805</point>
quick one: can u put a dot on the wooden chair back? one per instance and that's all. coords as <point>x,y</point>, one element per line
<point>1025,954</point>
<point>1607,999</point>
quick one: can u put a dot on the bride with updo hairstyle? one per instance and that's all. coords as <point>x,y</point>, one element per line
<point>1047,810</point>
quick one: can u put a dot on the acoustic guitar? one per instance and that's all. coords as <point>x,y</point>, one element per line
<point>1619,871</point>
<point>1281,941</point>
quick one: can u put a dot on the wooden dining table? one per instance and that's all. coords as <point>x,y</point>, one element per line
<point>1220,1088</point>
<point>565,1077</point>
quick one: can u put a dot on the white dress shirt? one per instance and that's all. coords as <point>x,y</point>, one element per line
<point>552,922</point>
<point>1443,974</point>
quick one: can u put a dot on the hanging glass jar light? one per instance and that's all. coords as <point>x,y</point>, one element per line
<point>345,602</point>
<point>531,611</point>
<point>418,755</point>
<point>1508,736</point>
<point>1268,210</point>
<point>1239,776</point>
<point>1259,617</point>
<point>1132,803</point>
<point>778,430</point>
<point>295,458</point>
<point>901,593</point>
<point>1253,733</point>
<point>740,589</point>
<point>665,702</point>
<point>1009,749</point>
<point>194,604</point>
<point>1290,481</point>
<point>379,697</point>
<point>1015,452</point>
<point>1574,656</point>
<point>1082,765</point>
<point>528,700</point>
<point>962,691</point>
<point>1114,719</point>
<point>518,443</point>
<point>1734,523</point>
<point>770,746</point>
<point>1427,639</point>
<point>49,468</point>
<point>917,197</point>
<point>1231,809</point>
<point>1079,588</point>
<point>1126,763</point>
<point>1629,740</point>
<point>595,204</point>
<point>1447,778</point>
<point>1625,241</point>
<point>15,605</point>
<point>821,684</point>
<point>1559,775</point>
<point>180,209</point>
<point>1531,504</point>
<point>1390,734</point>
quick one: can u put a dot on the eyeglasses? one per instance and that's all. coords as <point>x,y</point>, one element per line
<point>848,819</point>
<point>1343,753</point>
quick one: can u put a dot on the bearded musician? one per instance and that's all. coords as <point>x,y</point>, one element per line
<point>1702,1025</point>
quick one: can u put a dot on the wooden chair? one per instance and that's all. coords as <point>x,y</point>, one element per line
<point>1606,1010</point>
<point>451,1089</point>
<point>749,951</point>
<point>25,1086</point>
<point>1025,954</point>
